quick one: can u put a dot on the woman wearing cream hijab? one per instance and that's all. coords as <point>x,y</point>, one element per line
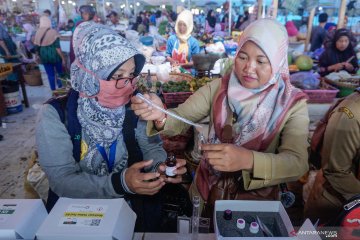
<point>257,135</point>
<point>182,46</point>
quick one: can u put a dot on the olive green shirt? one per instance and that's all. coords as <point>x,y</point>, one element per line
<point>341,147</point>
<point>286,158</point>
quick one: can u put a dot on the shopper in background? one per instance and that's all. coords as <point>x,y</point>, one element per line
<point>210,22</point>
<point>29,29</point>
<point>47,41</point>
<point>47,13</point>
<point>258,121</point>
<point>114,21</point>
<point>87,13</point>
<point>318,33</point>
<point>241,20</point>
<point>7,45</point>
<point>340,55</point>
<point>181,46</point>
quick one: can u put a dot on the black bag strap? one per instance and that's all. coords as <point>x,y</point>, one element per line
<point>43,37</point>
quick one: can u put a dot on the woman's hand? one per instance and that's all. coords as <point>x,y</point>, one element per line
<point>140,183</point>
<point>146,112</point>
<point>180,170</point>
<point>228,157</point>
<point>348,66</point>
<point>336,67</point>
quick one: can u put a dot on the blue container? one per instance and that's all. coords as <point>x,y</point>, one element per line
<point>231,50</point>
<point>147,41</point>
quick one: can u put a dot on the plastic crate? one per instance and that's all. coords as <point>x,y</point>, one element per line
<point>325,94</point>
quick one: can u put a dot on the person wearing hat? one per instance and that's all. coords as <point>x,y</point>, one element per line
<point>94,146</point>
<point>181,46</point>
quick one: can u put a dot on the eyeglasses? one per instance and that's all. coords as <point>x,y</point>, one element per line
<point>121,82</point>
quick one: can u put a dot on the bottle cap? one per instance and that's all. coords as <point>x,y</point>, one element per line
<point>227,214</point>
<point>254,227</point>
<point>240,223</point>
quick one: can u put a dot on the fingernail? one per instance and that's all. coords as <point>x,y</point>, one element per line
<point>157,174</point>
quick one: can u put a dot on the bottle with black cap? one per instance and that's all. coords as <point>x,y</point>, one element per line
<point>170,165</point>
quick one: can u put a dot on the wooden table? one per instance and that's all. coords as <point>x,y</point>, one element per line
<point>18,69</point>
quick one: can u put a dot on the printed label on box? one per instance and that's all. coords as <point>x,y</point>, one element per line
<point>6,210</point>
<point>82,215</point>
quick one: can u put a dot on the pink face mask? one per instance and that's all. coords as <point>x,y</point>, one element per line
<point>109,96</point>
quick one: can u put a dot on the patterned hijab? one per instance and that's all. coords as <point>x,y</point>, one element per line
<point>187,17</point>
<point>101,51</point>
<point>260,112</point>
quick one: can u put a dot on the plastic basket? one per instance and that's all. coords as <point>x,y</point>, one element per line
<point>325,94</point>
<point>176,77</point>
<point>176,97</point>
<point>346,87</point>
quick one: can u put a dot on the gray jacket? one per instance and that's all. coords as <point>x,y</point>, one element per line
<point>68,178</point>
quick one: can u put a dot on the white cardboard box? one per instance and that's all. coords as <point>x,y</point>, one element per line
<point>88,219</point>
<point>261,206</point>
<point>21,218</point>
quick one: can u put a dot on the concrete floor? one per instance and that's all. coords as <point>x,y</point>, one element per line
<point>19,143</point>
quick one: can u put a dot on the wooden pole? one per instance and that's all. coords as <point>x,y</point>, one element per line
<point>309,29</point>
<point>230,19</point>
<point>260,5</point>
<point>341,17</point>
<point>275,8</point>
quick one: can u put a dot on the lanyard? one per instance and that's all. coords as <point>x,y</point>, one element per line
<point>111,159</point>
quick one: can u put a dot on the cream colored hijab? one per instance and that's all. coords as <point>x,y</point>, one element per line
<point>49,35</point>
<point>187,17</point>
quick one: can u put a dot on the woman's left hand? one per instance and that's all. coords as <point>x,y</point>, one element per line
<point>180,170</point>
<point>348,66</point>
<point>228,157</point>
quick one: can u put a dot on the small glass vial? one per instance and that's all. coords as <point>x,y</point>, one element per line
<point>170,165</point>
<point>227,214</point>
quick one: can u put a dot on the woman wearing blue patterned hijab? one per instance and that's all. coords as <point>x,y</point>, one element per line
<point>103,76</point>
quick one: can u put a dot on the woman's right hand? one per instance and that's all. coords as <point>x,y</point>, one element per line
<point>146,112</point>
<point>143,183</point>
<point>337,67</point>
